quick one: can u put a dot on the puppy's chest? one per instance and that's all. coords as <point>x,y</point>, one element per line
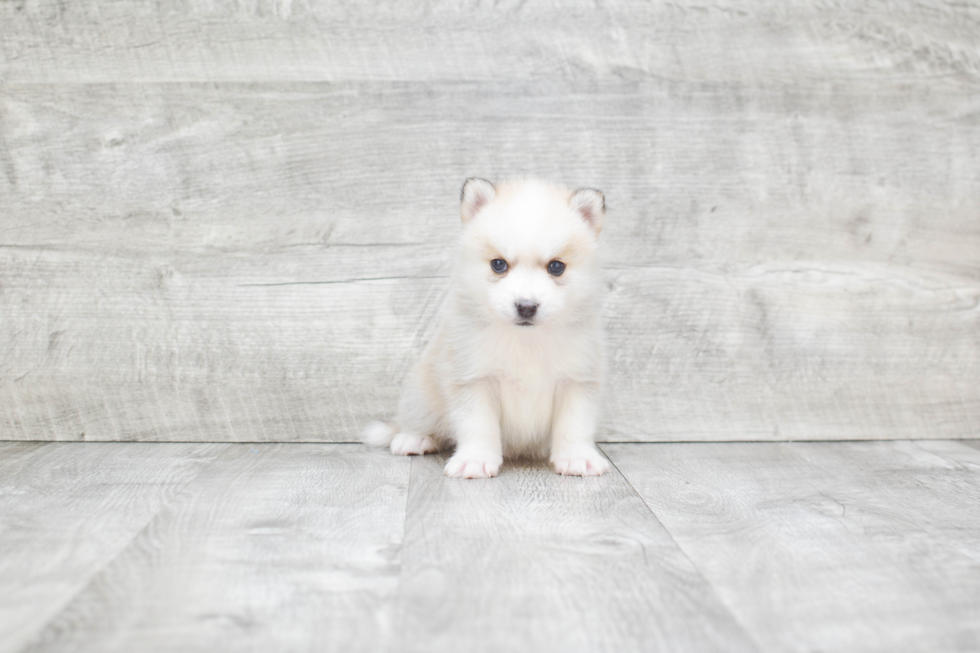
<point>526,400</point>
<point>526,372</point>
<point>526,382</point>
<point>524,366</point>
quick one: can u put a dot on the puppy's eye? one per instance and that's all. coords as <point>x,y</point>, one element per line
<point>555,268</point>
<point>498,265</point>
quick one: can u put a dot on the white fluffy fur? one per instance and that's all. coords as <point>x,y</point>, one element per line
<point>489,385</point>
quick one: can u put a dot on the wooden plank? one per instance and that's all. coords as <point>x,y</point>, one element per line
<point>824,546</point>
<point>783,352</point>
<point>302,362</point>
<point>273,548</point>
<point>532,561</point>
<point>263,274</point>
<point>67,510</point>
<point>693,356</point>
<point>269,40</point>
<point>801,174</point>
<point>18,455</point>
<point>931,486</point>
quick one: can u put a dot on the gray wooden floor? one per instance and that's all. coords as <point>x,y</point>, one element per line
<point>805,546</point>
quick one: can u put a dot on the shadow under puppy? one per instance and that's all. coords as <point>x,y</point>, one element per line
<point>516,364</point>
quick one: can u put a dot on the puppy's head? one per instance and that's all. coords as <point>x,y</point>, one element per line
<point>529,251</point>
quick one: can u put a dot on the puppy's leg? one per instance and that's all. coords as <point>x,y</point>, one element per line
<point>416,417</point>
<point>475,420</point>
<point>573,450</point>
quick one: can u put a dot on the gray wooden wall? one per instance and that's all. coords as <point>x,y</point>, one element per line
<point>229,220</point>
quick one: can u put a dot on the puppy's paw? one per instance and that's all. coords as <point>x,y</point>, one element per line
<point>581,460</point>
<point>468,465</point>
<point>409,444</point>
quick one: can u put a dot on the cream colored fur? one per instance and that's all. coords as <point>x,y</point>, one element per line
<point>487,384</point>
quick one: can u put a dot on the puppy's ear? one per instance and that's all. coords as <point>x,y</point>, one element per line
<point>591,205</point>
<point>476,194</point>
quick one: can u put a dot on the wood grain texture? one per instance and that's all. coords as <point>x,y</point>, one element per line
<point>273,547</point>
<point>270,40</point>
<point>826,546</point>
<point>532,561</point>
<point>871,546</point>
<point>67,510</point>
<point>233,223</point>
<point>934,485</point>
<point>229,324</point>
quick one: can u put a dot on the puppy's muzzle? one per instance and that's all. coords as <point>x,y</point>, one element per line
<point>526,310</point>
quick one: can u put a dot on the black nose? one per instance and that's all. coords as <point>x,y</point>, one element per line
<point>526,309</point>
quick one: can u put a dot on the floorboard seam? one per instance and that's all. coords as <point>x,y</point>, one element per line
<point>714,592</point>
<point>395,606</point>
<point>32,643</point>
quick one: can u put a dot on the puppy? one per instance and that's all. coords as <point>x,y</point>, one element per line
<point>516,364</point>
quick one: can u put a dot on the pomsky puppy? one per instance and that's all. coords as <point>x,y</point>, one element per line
<point>516,364</point>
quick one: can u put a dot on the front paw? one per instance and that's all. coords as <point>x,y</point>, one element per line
<point>409,444</point>
<point>580,461</point>
<point>469,465</point>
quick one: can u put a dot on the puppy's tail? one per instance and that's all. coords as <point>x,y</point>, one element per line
<point>379,434</point>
